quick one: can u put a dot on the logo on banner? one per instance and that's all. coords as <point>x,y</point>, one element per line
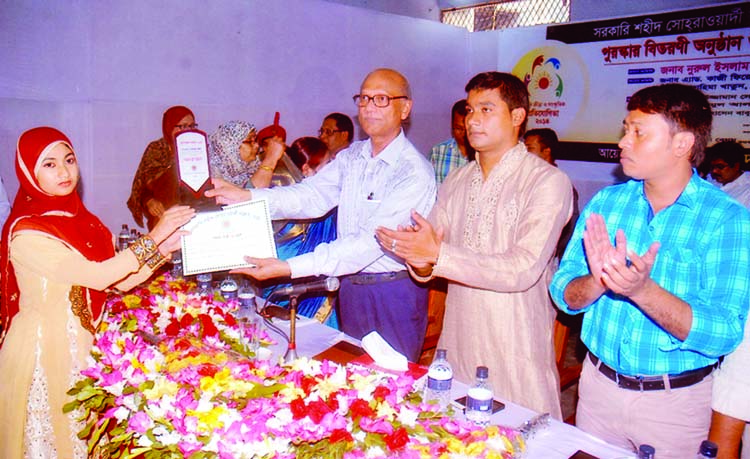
<point>556,79</point>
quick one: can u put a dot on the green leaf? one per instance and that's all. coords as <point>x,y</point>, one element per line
<point>136,452</point>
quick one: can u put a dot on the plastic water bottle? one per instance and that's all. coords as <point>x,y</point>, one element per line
<point>439,380</point>
<point>177,264</point>
<point>479,399</point>
<point>204,284</point>
<point>229,288</point>
<point>646,452</point>
<point>133,235</point>
<point>708,449</point>
<point>123,238</point>
<point>246,295</point>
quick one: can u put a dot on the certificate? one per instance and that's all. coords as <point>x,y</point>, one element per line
<point>221,240</point>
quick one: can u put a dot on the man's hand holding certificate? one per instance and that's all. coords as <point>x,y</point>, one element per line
<point>222,239</point>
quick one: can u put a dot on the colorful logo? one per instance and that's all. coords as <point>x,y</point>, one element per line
<point>544,76</point>
<point>557,81</point>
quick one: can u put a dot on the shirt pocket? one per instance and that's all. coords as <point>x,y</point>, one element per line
<point>679,271</point>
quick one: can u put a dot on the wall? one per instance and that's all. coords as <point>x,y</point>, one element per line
<point>104,72</point>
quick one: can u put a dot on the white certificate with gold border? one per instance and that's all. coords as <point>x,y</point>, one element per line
<point>221,240</point>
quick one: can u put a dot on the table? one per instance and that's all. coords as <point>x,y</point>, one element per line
<point>558,441</point>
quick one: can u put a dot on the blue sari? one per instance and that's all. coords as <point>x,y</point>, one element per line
<point>297,238</point>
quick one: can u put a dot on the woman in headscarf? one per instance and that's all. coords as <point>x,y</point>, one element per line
<point>233,152</point>
<point>155,182</point>
<point>57,259</point>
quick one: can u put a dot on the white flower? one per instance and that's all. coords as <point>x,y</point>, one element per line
<point>121,413</point>
<point>144,441</point>
<point>408,417</point>
<point>166,437</point>
<point>282,418</point>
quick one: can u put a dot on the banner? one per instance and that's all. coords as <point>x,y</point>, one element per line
<point>581,75</point>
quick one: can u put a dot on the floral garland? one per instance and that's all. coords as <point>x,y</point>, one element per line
<point>169,379</point>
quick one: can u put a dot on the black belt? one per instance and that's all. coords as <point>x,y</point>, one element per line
<point>376,278</point>
<point>641,383</point>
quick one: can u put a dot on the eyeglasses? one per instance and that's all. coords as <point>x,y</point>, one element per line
<point>327,131</point>
<point>380,100</point>
<point>184,127</point>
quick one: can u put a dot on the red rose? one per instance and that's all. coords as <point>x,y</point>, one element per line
<point>209,329</point>
<point>186,320</point>
<point>173,329</point>
<point>307,383</point>
<point>299,410</point>
<point>182,344</point>
<point>397,439</point>
<point>333,402</point>
<point>230,320</point>
<point>317,410</point>
<point>208,369</point>
<point>361,408</point>
<point>380,393</point>
<point>340,435</point>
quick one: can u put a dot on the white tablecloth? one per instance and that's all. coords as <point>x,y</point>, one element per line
<point>558,441</point>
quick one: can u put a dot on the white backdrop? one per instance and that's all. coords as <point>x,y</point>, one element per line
<point>104,72</point>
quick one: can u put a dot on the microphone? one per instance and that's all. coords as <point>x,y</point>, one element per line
<point>329,284</point>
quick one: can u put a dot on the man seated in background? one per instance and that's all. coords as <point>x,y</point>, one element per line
<point>455,152</point>
<point>337,132</point>
<point>375,182</point>
<point>660,267</point>
<point>726,160</point>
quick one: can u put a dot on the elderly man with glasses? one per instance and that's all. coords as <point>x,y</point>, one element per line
<point>375,182</point>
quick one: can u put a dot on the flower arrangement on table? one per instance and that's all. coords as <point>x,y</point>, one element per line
<point>169,380</point>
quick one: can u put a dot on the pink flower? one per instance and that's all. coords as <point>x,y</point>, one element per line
<point>140,422</point>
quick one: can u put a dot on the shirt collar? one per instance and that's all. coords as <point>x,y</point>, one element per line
<point>689,195</point>
<point>391,153</point>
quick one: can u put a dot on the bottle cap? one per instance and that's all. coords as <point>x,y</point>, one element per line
<point>440,354</point>
<point>708,448</point>
<point>647,450</point>
<point>483,372</point>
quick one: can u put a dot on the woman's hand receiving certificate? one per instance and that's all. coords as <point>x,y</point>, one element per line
<point>221,240</point>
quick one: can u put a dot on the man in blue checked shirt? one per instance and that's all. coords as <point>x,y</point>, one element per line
<point>660,265</point>
<point>455,152</point>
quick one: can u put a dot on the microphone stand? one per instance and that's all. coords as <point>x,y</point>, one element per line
<point>291,350</point>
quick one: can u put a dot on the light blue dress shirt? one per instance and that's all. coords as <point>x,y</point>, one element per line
<point>369,192</point>
<point>704,260</point>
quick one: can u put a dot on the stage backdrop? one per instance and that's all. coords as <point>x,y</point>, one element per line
<point>580,76</point>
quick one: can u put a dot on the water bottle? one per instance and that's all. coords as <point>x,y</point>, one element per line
<point>479,399</point>
<point>646,452</point>
<point>133,235</point>
<point>176,270</point>
<point>229,288</point>
<point>204,284</point>
<point>439,381</point>
<point>708,449</point>
<point>123,239</point>
<point>246,296</point>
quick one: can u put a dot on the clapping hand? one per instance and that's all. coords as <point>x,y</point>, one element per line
<point>615,267</point>
<point>419,245</point>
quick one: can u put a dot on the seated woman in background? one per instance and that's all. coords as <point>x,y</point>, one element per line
<point>57,259</point>
<point>310,154</point>
<point>155,182</point>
